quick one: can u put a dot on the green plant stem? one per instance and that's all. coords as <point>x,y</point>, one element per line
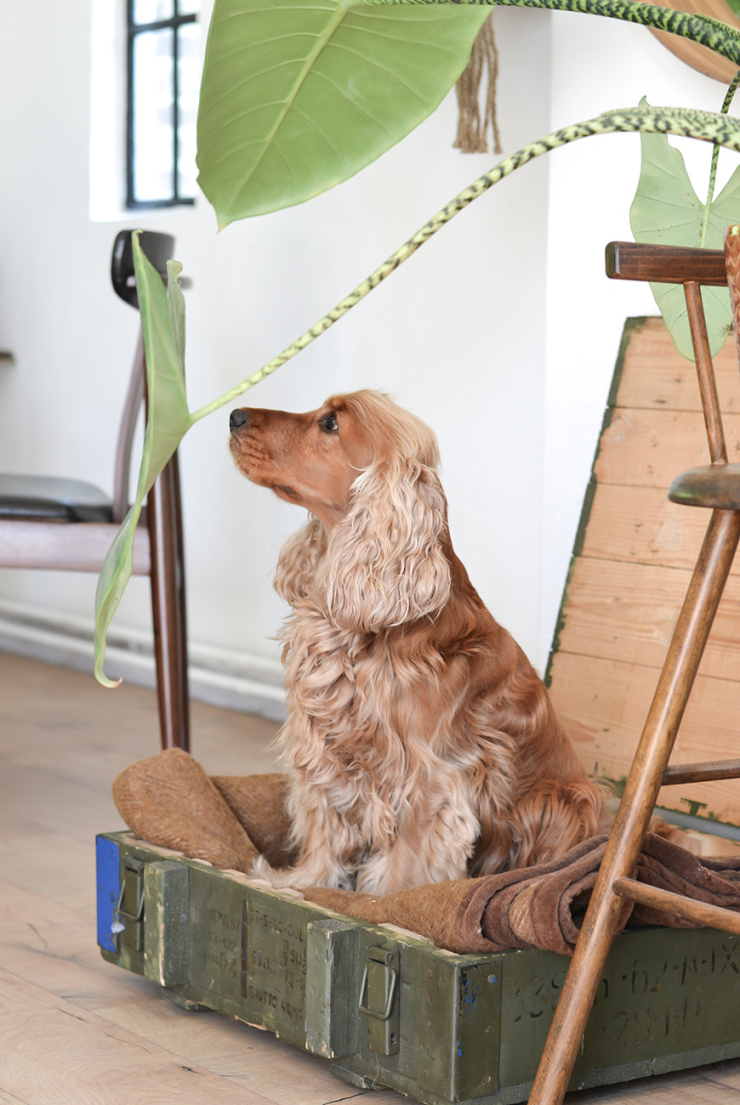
<point>732,89</point>
<point>703,29</point>
<point>721,129</point>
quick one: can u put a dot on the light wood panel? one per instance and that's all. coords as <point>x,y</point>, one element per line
<point>639,525</point>
<point>603,705</point>
<point>649,448</point>
<point>624,611</point>
<point>630,571</point>
<point>654,376</point>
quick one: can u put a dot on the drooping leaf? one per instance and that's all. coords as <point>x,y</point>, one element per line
<point>297,96</point>
<point>666,210</point>
<point>163,326</point>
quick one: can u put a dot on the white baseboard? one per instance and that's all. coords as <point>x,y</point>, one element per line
<point>222,677</point>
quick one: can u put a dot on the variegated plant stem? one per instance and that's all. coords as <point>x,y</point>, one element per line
<point>722,130</point>
<point>703,29</point>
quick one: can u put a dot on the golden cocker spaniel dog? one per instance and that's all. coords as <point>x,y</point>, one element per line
<point>420,743</point>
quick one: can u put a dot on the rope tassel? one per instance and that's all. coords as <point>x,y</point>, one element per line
<point>474,124</point>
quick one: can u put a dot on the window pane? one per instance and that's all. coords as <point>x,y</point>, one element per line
<point>153,116</point>
<point>151,11</point>
<point>189,71</point>
<point>188,7</point>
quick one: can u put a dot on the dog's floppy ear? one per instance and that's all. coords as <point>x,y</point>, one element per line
<point>385,564</point>
<point>299,557</point>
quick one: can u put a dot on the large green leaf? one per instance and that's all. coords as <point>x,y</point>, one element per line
<point>666,210</point>
<point>163,325</point>
<point>297,96</point>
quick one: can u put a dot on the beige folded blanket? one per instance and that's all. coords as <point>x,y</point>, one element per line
<point>170,801</point>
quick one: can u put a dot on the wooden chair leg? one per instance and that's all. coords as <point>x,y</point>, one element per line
<point>168,607</point>
<point>644,782</point>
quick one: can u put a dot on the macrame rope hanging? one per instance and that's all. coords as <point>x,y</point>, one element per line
<point>475,121</point>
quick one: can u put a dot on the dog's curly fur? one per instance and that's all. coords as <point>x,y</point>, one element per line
<point>421,744</point>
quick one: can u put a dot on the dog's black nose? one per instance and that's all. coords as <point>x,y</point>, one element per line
<point>238,418</point>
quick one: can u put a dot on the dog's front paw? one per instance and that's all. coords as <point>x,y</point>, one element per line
<point>301,876</point>
<point>280,878</point>
<point>275,876</point>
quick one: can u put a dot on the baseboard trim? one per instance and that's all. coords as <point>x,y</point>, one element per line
<point>221,677</point>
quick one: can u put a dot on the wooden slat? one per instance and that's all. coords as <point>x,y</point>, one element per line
<point>603,705</point>
<point>650,448</point>
<point>639,525</point>
<point>629,612</point>
<point>655,377</point>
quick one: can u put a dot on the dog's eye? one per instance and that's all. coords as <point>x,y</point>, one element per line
<point>329,424</point>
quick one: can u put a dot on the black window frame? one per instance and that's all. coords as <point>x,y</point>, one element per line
<point>133,31</point>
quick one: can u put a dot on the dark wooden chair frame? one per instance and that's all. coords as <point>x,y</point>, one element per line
<point>39,529</point>
<point>716,486</point>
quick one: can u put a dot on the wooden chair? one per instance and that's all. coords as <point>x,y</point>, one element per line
<point>716,486</point>
<point>65,524</point>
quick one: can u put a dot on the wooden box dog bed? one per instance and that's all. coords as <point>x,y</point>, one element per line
<point>385,1007</point>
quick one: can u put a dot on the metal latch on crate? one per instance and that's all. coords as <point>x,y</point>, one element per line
<point>379,994</point>
<point>128,916</point>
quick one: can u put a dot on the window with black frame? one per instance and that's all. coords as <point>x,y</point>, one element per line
<point>162,101</point>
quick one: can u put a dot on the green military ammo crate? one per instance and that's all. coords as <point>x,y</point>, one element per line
<point>386,1008</point>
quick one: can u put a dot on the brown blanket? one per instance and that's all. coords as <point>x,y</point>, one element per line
<point>170,801</point>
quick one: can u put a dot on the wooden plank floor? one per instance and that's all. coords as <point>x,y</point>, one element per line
<point>75,1030</point>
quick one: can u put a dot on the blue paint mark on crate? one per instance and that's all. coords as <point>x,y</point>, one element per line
<point>108,860</point>
<point>469,994</point>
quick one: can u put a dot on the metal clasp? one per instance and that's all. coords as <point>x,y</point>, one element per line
<point>132,892</point>
<point>378,999</point>
<point>364,1008</point>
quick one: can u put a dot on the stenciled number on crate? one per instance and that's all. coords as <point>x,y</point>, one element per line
<point>276,962</point>
<point>729,962</point>
<point>224,948</point>
<point>669,998</point>
<point>655,1019</point>
<point>645,978</point>
<point>534,1003</point>
<point>260,961</point>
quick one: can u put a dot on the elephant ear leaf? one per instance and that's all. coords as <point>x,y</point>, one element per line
<point>163,326</point>
<point>298,96</point>
<point>666,210</point>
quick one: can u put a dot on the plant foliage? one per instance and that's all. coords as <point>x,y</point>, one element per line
<point>666,210</point>
<point>300,95</point>
<point>163,325</point>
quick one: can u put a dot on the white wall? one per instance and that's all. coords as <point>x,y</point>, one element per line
<point>501,332</point>
<point>457,334</point>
